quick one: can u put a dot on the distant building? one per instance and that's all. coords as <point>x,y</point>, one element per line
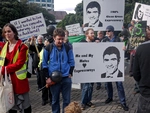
<point>47,4</point>
<point>59,15</point>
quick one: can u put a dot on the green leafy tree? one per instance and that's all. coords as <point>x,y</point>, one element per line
<point>73,18</point>
<point>12,10</point>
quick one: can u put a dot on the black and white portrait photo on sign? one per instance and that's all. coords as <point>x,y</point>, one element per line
<point>141,13</point>
<point>98,62</point>
<point>111,59</point>
<point>98,14</point>
<point>93,11</point>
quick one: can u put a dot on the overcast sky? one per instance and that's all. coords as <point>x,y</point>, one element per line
<point>66,5</point>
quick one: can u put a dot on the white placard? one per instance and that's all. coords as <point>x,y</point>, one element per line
<point>141,13</point>
<point>30,26</point>
<point>110,12</point>
<point>92,66</point>
<point>74,29</point>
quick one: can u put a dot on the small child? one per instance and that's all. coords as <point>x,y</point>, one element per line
<point>73,107</point>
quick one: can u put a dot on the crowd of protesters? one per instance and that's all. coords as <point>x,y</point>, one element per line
<point>60,57</point>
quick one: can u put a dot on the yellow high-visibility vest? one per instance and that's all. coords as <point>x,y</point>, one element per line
<point>22,72</point>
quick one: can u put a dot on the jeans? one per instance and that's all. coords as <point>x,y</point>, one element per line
<point>87,90</point>
<point>65,88</point>
<point>120,89</point>
<point>143,105</point>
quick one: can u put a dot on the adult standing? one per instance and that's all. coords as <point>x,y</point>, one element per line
<point>100,36</point>
<point>87,88</point>
<point>46,93</point>
<point>13,57</point>
<point>32,47</point>
<point>141,74</point>
<point>112,38</point>
<point>59,59</point>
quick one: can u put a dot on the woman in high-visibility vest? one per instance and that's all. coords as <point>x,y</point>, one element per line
<point>13,56</point>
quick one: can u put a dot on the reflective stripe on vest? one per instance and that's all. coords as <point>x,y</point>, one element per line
<point>22,72</point>
<point>3,54</point>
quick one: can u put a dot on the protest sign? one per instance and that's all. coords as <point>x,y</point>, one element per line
<point>138,35</point>
<point>98,14</point>
<point>74,29</point>
<point>30,26</point>
<point>141,13</point>
<point>95,62</point>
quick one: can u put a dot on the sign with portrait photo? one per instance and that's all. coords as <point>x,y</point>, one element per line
<point>141,13</point>
<point>30,26</point>
<point>98,14</point>
<point>98,62</point>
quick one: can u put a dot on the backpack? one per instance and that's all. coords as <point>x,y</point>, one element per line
<point>50,47</point>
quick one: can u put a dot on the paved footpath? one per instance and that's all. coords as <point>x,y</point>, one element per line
<point>99,97</point>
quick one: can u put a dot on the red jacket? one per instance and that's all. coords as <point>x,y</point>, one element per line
<point>19,86</point>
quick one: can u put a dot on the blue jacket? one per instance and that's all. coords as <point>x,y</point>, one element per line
<point>58,60</point>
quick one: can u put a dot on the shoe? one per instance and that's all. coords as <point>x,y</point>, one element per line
<point>108,100</point>
<point>98,87</point>
<point>83,106</point>
<point>125,107</point>
<point>43,103</point>
<point>90,104</point>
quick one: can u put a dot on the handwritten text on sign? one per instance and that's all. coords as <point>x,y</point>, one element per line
<point>74,29</point>
<point>29,26</point>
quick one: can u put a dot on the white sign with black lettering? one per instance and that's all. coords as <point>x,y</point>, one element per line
<point>30,26</point>
<point>74,29</point>
<point>141,13</point>
<point>98,14</point>
<point>98,62</point>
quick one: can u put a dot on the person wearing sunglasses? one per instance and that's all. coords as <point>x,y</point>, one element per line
<point>112,38</point>
<point>93,11</point>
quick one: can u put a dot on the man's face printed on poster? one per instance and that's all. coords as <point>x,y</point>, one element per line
<point>140,13</point>
<point>92,14</point>
<point>111,63</point>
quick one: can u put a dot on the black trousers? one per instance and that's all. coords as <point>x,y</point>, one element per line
<point>46,93</point>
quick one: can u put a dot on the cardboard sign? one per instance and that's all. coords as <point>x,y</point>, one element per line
<point>98,62</point>
<point>74,29</point>
<point>30,26</point>
<point>98,14</point>
<point>141,13</point>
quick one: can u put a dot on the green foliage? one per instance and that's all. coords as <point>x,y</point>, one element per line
<point>12,10</point>
<point>73,18</point>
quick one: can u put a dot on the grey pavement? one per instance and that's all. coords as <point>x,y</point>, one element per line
<point>99,97</point>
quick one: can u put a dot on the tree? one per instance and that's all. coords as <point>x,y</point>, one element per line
<point>73,18</point>
<point>12,10</point>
